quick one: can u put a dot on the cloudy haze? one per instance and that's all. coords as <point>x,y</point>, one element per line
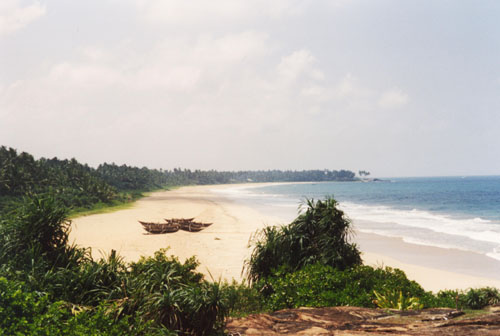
<point>398,88</point>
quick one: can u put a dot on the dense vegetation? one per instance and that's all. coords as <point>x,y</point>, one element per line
<point>72,183</point>
<point>79,186</point>
<point>49,287</point>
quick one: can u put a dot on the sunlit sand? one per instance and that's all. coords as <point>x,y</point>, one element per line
<point>222,248</point>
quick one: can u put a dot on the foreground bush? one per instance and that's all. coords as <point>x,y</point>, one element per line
<point>172,294</point>
<point>242,300</point>
<point>158,292</point>
<point>32,313</point>
<point>472,298</point>
<point>319,235</point>
<point>321,285</point>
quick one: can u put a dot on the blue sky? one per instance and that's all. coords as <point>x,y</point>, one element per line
<point>399,88</point>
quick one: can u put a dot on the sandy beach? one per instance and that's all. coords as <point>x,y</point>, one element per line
<point>222,248</point>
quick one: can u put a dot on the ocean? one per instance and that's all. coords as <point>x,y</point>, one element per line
<point>448,212</point>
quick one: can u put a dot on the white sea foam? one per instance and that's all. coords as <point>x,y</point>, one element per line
<point>425,228</point>
<point>495,254</point>
<point>474,228</point>
<point>413,226</point>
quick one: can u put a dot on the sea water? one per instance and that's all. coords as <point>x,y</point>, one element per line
<point>447,212</point>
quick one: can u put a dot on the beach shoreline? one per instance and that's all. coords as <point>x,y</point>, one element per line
<point>434,268</point>
<point>222,248</point>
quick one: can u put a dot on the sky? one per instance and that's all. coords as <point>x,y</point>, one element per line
<point>397,88</point>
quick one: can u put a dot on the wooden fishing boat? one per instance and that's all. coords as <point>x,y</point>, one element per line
<point>179,220</point>
<point>159,227</point>
<point>192,227</point>
<point>203,224</point>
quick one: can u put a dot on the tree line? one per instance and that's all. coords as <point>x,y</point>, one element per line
<point>78,185</point>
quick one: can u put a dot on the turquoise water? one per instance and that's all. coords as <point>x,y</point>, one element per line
<point>448,212</point>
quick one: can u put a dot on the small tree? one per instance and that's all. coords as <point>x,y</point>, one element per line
<point>363,173</point>
<point>321,234</point>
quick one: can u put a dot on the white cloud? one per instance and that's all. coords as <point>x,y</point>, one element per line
<point>346,86</point>
<point>14,16</point>
<point>299,63</point>
<point>224,88</point>
<point>216,11</point>
<point>393,98</point>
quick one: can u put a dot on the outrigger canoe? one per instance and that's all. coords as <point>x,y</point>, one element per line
<point>159,227</point>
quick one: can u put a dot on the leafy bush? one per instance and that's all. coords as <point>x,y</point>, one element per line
<point>395,300</point>
<point>31,313</point>
<point>162,289</point>
<point>321,285</point>
<point>481,297</point>
<point>241,299</point>
<point>472,298</point>
<point>318,235</point>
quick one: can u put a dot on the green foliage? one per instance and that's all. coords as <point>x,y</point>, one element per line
<point>319,235</point>
<point>126,178</point>
<point>35,235</point>
<point>481,297</point>
<point>172,294</point>
<point>321,285</point>
<point>73,184</point>
<point>241,299</point>
<point>132,178</point>
<point>363,286</point>
<point>395,300</point>
<point>31,313</point>
<point>472,298</point>
<point>80,187</point>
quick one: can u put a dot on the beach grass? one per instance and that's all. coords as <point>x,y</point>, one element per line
<point>101,208</point>
<point>126,201</point>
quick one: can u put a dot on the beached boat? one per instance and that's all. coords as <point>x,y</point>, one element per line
<point>203,224</point>
<point>160,227</point>
<point>185,221</point>
<point>192,227</point>
<point>187,224</point>
<point>179,220</point>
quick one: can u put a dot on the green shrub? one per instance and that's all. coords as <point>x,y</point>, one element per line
<point>319,235</point>
<point>472,298</point>
<point>395,300</point>
<point>481,297</point>
<point>171,293</point>
<point>30,313</point>
<point>321,285</point>
<point>241,299</point>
